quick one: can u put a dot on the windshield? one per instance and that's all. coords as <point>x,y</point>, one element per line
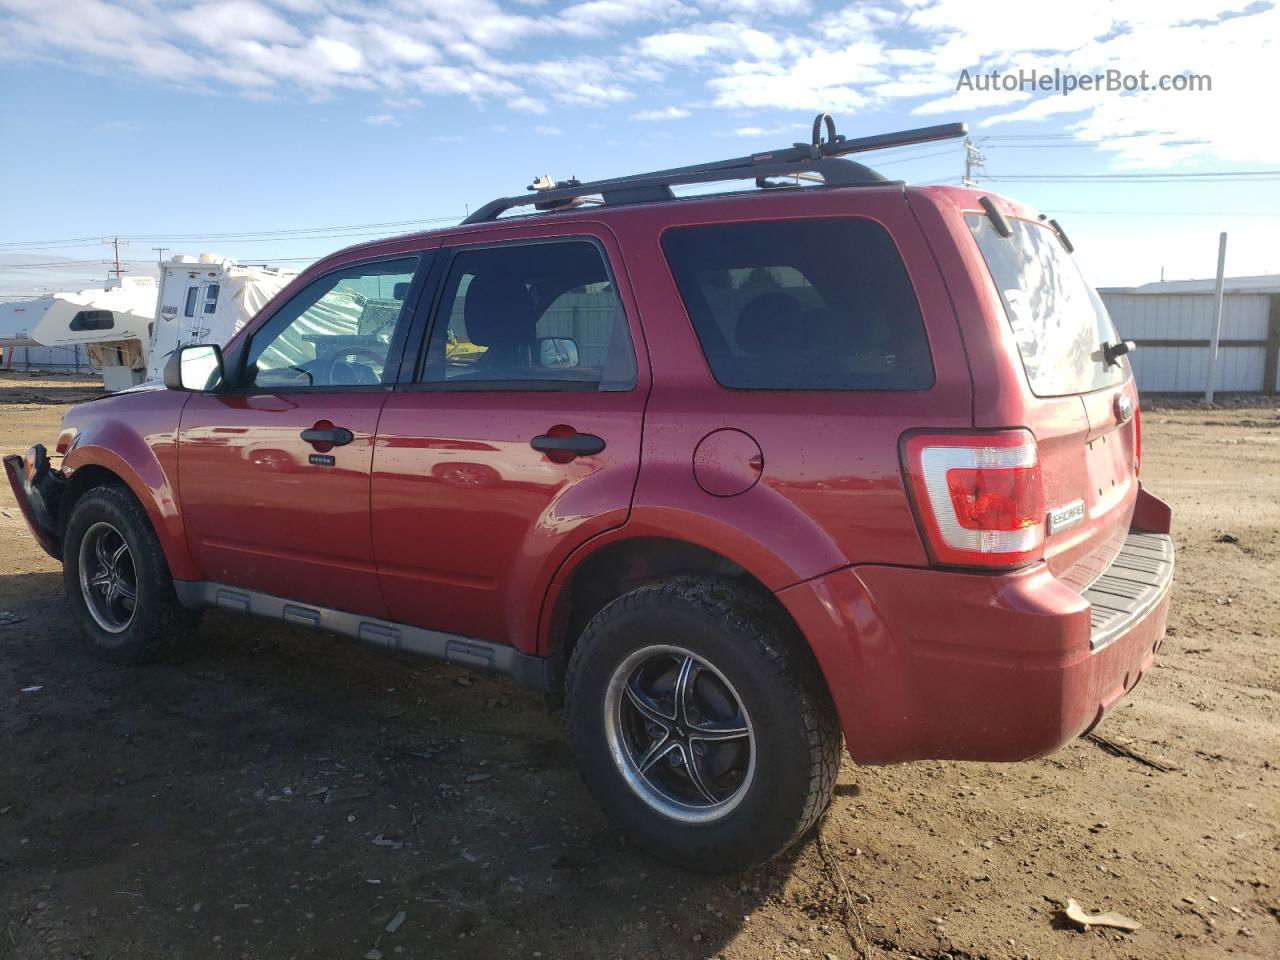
<point>1057,318</point>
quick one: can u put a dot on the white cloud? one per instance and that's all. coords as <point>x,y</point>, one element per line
<point>595,14</point>
<point>680,46</point>
<point>382,120</point>
<point>548,131</point>
<point>1173,126</point>
<point>341,56</point>
<point>527,104</point>
<point>744,57</point>
<point>217,22</point>
<point>754,7</point>
<point>662,113</point>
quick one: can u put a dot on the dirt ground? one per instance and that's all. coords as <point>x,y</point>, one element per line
<point>273,793</point>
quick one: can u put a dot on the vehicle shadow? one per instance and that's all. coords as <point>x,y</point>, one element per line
<point>292,793</point>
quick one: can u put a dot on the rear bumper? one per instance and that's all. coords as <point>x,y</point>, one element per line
<point>37,487</point>
<point>930,664</point>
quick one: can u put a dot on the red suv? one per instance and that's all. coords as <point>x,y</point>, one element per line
<point>731,474</point>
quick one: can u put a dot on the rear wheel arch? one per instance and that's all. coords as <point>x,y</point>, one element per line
<point>620,566</point>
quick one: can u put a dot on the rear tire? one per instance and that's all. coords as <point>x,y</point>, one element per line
<point>117,581</point>
<point>702,724</point>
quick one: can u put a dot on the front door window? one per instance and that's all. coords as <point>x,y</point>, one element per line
<point>337,332</point>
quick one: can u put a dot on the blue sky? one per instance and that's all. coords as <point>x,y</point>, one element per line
<point>173,123</point>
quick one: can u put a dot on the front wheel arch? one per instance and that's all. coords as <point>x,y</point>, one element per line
<point>78,484</point>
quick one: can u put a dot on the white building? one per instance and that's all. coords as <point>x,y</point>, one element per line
<point>127,329</point>
<point>111,325</point>
<point>1172,324</point>
<point>206,299</point>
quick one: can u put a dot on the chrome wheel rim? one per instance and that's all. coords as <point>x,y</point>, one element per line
<point>108,579</point>
<point>679,734</point>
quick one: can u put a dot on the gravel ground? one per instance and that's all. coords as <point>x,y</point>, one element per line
<point>271,793</point>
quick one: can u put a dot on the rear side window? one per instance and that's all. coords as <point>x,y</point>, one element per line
<point>823,304</point>
<point>1058,319</point>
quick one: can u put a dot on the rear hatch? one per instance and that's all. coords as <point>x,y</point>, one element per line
<point>1080,400</point>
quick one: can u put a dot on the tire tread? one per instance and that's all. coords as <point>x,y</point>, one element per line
<point>772,633</point>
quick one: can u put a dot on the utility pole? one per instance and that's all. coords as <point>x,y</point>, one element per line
<point>973,161</point>
<point>160,254</point>
<point>1217,319</point>
<point>117,269</point>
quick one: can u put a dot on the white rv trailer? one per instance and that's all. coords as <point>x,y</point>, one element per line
<point>206,299</point>
<point>112,323</point>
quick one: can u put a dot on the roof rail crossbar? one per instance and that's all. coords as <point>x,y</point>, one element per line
<point>819,156</point>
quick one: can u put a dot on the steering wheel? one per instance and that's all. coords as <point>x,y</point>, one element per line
<point>353,366</point>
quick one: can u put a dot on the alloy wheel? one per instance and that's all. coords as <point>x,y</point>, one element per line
<point>679,733</point>
<point>108,578</point>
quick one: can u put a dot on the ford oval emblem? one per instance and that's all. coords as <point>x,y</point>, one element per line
<point>1124,407</point>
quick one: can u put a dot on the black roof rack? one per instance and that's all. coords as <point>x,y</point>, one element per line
<point>819,156</point>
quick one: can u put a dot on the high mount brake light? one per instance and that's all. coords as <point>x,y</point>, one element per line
<point>979,496</point>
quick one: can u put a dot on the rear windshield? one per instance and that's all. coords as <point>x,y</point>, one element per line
<point>821,304</point>
<point>1058,319</point>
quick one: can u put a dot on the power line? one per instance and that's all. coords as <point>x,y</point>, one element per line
<point>926,156</point>
<point>299,232</point>
<point>1197,175</point>
<point>1064,136</point>
<point>1167,213</point>
<point>973,163</point>
<point>56,263</point>
<point>115,243</point>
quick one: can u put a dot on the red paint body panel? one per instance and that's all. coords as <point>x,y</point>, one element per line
<point>439,513</point>
<point>931,664</point>
<point>470,522</point>
<point>135,435</point>
<point>260,516</point>
<point>831,491</point>
<point>1085,454</point>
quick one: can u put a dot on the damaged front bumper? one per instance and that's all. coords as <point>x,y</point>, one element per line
<point>37,487</point>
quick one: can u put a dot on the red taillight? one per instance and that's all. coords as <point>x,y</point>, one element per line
<point>979,496</point>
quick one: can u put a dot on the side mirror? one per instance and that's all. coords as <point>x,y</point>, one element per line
<point>197,368</point>
<point>558,352</point>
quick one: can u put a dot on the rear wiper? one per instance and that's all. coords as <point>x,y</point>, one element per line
<point>1112,352</point>
<point>1062,235</point>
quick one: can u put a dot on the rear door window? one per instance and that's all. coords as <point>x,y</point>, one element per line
<point>530,316</point>
<point>1058,320</point>
<point>816,304</point>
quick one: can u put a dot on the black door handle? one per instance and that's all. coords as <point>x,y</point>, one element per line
<point>337,436</point>
<point>578,444</point>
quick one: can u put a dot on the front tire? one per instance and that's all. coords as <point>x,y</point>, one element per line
<point>117,581</point>
<point>702,724</point>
